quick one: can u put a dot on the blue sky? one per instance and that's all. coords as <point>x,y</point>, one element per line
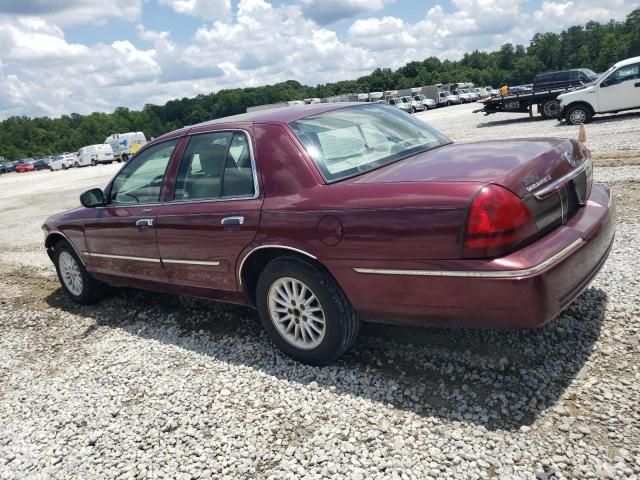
<point>63,56</point>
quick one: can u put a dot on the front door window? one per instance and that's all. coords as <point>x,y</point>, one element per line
<point>140,181</point>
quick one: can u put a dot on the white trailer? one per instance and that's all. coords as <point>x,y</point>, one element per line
<point>125,145</point>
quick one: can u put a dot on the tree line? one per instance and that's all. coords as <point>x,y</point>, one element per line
<point>594,45</point>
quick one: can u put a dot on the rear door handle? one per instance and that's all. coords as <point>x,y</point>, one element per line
<point>144,223</point>
<point>235,220</point>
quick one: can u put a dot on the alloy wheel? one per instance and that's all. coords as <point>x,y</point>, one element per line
<point>577,117</point>
<point>70,273</point>
<point>296,312</point>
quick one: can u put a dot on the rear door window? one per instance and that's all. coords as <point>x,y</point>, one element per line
<point>216,165</point>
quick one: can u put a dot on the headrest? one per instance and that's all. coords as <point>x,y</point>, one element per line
<point>212,159</point>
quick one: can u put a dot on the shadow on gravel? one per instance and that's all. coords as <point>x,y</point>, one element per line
<point>499,379</point>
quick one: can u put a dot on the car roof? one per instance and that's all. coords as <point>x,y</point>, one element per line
<point>627,61</point>
<point>281,115</point>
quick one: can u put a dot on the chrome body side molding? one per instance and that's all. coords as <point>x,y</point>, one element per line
<point>479,274</point>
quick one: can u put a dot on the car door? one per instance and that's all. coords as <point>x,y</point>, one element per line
<point>214,212</point>
<point>621,89</point>
<point>121,239</point>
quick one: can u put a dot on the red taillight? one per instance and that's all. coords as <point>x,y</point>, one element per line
<point>497,221</point>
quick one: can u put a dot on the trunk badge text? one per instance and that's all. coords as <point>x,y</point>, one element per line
<point>533,181</point>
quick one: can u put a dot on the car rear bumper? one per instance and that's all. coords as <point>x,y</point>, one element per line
<point>525,289</point>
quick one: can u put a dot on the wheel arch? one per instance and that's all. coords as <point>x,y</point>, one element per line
<point>259,256</point>
<point>580,102</point>
<point>53,238</point>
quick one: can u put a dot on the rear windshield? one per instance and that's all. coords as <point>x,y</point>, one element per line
<point>346,142</point>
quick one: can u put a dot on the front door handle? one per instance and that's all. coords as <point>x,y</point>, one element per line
<point>235,220</point>
<point>144,223</point>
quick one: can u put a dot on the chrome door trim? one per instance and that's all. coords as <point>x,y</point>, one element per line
<point>190,262</point>
<point>479,274</point>
<point>284,247</point>
<point>122,257</point>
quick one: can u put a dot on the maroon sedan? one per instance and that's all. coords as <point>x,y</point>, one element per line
<point>323,216</point>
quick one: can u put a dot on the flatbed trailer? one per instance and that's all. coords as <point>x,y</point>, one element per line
<point>546,101</point>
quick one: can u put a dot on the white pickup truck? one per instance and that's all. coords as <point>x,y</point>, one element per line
<point>615,90</point>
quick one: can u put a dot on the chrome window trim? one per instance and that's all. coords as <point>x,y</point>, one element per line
<point>479,274</point>
<point>190,262</point>
<point>254,172</point>
<point>68,241</point>
<point>261,247</point>
<point>553,186</point>
<point>122,257</point>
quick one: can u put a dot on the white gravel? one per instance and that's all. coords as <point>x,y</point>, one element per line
<point>146,385</point>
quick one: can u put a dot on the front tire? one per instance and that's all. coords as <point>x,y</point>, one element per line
<point>305,312</point>
<point>78,284</point>
<point>577,115</point>
<point>94,163</point>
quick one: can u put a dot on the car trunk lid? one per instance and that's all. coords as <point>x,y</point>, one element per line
<point>551,175</point>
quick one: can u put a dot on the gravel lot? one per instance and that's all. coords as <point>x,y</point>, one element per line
<point>146,385</point>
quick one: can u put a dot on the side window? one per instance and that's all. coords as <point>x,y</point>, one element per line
<point>216,165</point>
<point>574,75</point>
<point>628,72</point>
<point>140,181</point>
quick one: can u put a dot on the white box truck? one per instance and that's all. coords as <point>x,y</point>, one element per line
<point>125,145</point>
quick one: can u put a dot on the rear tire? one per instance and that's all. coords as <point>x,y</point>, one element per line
<point>64,167</point>
<point>124,158</point>
<point>577,114</point>
<point>550,109</point>
<point>76,165</point>
<point>305,312</point>
<point>93,162</point>
<point>78,284</point>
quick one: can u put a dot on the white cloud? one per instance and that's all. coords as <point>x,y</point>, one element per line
<point>381,34</point>
<point>207,9</point>
<point>73,12</point>
<point>43,73</point>
<point>325,12</point>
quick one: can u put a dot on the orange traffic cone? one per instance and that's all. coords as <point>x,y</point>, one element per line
<point>582,134</point>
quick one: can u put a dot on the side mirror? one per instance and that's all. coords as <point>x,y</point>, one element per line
<point>92,198</point>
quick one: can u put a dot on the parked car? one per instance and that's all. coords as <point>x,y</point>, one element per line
<point>3,168</point>
<point>25,167</point>
<point>615,90</point>
<point>399,103</point>
<point>414,105</point>
<point>62,162</point>
<point>41,163</point>
<point>563,79</point>
<point>93,155</point>
<point>349,213</point>
<point>427,103</point>
<point>10,166</point>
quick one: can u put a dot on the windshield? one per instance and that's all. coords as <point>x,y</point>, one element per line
<point>346,142</point>
<point>604,74</point>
